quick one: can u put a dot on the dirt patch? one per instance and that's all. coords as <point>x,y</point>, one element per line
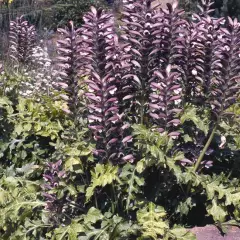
<point>213,233</point>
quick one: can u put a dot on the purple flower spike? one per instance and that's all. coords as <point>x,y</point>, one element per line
<point>68,62</point>
<point>22,37</point>
<point>53,174</point>
<point>102,65</point>
<point>165,101</point>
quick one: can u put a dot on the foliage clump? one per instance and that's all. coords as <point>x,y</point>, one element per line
<point>138,133</point>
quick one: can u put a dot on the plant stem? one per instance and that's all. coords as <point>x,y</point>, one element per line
<point>114,198</point>
<point>95,199</point>
<point>142,111</point>
<point>202,154</point>
<point>204,149</point>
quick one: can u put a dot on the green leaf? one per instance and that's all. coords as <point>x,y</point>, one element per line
<point>85,152</point>
<point>71,164</point>
<point>140,166</point>
<point>151,220</point>
<point>237,142</point>
<point>187,138</point>
<point>4,197</point>
<point>185,206</point>
<point>6,104</point>
<point>72,152</point>
<point>93,216</point>
<point>18,129</point>
<point>180,233</point>
<point>21,104</point>
<point>133,181</point>
<point>101,176</point>
<point>27,127</point>
<point>69,232</point>
<point>4,101</point>
<point>190,114</point>
<point>218,212</point>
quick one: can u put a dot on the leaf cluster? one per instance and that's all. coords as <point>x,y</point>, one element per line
<point>140,134</point>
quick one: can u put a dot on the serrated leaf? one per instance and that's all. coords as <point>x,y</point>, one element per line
<point>93,216</point>
<point>18,129</point>
<point>102,175</point>
<point>69,232</point>
<point>181,233</point>
<point>190,114</point>
<point>151,220</point>
<point>71,163</point>
<point>27,127</point>
<point>218,212</point>
<point>133,181</point>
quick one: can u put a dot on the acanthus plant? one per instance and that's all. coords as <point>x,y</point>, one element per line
<point>68,62</point>
<point>165,101</point>
<point>52,176</point>
<point>137,26</point>
<point>192,49</point>
<point>216,73</point>
<point>196,68</point>
<point>59,204</point>
<point>176,78</point>
<point>22,37</point>
<point>170,32</point>
<point>187,46</point>
<point>30,59</point>
<point>193,64</point>
<point>196,65</point>
<point>178,42</point>
<point>99,64</point>
<point>206,7</point>
<point>207,29</point>
<point>224,84</point>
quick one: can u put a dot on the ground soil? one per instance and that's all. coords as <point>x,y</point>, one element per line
<point>212,233</point>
